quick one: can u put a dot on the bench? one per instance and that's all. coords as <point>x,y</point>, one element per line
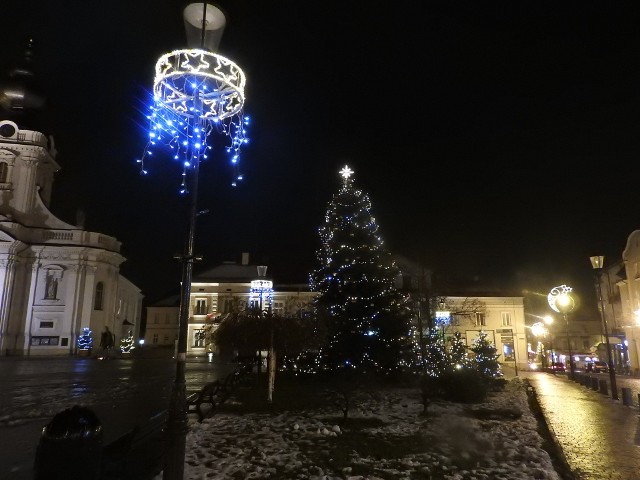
<point>138,454</point>
<point>210,394</point>
<point>214,393</point>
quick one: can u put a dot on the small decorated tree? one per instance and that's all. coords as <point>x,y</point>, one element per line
<point>486,357</point>
<point>85,340</point>
<point>458,352</point>
<point>126,343</point>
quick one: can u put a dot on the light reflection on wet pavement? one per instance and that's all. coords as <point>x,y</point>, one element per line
<point>599,436</point>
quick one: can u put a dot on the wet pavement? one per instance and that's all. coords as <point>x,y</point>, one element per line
<point>599,436</point>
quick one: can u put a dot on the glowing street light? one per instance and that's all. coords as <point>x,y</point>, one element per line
<point>597,263</point>
<point>539,330</point>
<point>560,301</point>
<point>196,92</point>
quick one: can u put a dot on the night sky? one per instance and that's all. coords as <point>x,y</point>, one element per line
<point>495,139</point>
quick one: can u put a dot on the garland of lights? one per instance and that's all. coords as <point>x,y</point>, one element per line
<point>196,92</point>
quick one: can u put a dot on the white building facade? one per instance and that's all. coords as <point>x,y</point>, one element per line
<point>216,292</point>
<point>55,278</point>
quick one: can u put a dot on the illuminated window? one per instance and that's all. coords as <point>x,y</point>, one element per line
<point>97,305</point>
<point>506,319</point>
<point>481,320</point>
<point>508,351</point>
<point>198,338</point>
<point>201,306</point>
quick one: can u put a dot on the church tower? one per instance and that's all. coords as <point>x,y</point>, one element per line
<point>55,278</point>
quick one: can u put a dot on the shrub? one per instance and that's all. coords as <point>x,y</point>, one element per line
<point>464,386</point>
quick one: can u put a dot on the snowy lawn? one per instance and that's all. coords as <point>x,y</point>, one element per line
<point>302,435</point>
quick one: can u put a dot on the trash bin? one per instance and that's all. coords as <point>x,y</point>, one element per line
<point>70,447</point>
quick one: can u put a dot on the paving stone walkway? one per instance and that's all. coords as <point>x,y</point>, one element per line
<point>600,437</point>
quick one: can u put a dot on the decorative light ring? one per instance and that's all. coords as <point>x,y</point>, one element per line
<point>218,81</point>
<point>555,293</point>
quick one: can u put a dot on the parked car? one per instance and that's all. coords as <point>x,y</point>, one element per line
<point>597,367</point>
<point>557,367</point>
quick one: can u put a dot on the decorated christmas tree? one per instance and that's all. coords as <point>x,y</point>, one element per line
<point>85,340</point>
<point>127,343</point>
<point>367,317</point>
<point>486,357</point>
<point>458,352</point>
<point>435,357</point>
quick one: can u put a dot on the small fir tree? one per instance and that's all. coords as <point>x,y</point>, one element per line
<point>127,343</point>
<point>486,357</point>
<point>435,357</point>
<point>368,319</point>
<point>85,340</point>
<point>458,352</point>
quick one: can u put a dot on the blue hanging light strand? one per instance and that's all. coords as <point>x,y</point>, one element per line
<point>182,135</point>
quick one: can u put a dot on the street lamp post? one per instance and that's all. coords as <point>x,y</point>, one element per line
<point>196,92</point>
<point>539,330</point>
<point>548,319</point>
<point>563,303</point>
<point>597,262</point>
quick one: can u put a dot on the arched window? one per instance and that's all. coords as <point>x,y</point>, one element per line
<point>97,303</point>
<point>4,171</point>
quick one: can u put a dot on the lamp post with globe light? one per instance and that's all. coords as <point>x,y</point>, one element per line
<point>561,301</point>
<point>597,262</point>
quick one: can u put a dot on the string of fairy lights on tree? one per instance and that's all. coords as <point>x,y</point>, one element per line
<point>196,94</point>
<point>355,280</point>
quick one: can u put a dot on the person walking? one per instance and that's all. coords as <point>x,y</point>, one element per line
<point>107,341</point>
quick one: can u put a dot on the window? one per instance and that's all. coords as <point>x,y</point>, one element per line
<point>156,318</point>
<point>278,307</point>
<point>508,352</point>
<point>166,339</point>
<point>506,319</point>
<point>4,171</point>
<point>36,341</point>
<point>227,306</point>
<point>97,302</point>
<point>201,306</point>
<point>155,339</point>
<point>198,338</point>
<point>46,324</point>
<point>481,320</point>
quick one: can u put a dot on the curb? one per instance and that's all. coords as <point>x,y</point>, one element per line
<point>551,443</point>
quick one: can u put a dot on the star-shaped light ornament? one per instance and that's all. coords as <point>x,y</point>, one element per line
<point>346,172</point>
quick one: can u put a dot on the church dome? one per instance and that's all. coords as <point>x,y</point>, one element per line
<point>21,98</point>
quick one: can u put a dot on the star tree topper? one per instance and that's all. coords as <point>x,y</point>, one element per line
<point>346,172</point>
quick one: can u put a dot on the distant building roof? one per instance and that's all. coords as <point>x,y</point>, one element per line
<point>228,272</point>
<point>171,301</point>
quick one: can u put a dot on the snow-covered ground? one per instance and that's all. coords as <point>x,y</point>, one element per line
<point>386,437</point>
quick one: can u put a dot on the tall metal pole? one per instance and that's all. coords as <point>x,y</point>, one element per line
<point>566,323</point>
<point>612,369</point>
<point>177,422</point>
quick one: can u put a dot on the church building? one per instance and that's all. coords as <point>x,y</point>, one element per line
<point>55,278</point>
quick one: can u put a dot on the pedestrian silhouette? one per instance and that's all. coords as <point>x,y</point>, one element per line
<point>107,341</point>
